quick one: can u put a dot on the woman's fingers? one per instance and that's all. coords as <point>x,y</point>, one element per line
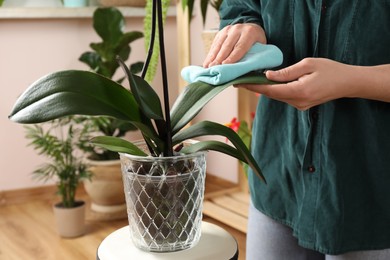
<point>232,43</point>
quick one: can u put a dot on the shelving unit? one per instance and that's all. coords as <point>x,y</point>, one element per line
<point>64,12</point>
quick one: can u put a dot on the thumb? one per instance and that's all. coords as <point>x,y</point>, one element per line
<point>290,73</point>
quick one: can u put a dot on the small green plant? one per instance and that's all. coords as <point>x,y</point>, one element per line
<point>58,143</point>
<point>109,24</point>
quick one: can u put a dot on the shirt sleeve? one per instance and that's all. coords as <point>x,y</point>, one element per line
<point>240,11</point>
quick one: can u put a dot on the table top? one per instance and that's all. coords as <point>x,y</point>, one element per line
<point>215,243</point>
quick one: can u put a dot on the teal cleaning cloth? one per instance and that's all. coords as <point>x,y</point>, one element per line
<point>259,57</point>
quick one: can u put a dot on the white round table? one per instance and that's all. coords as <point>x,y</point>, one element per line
<point>215,244</point>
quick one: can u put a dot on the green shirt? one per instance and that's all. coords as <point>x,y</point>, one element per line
<point>327,168</point>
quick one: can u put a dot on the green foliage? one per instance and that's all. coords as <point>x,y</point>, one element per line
<point>204,4</point>
<point>152,68</point>
<point>93,94</point>
<point>58,143</point>
<point>109,24</point>
<point>73,92</point>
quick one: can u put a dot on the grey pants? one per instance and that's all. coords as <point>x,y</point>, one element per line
<point>270,240</point>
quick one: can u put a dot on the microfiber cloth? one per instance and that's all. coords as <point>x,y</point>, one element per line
<point>259,57</point>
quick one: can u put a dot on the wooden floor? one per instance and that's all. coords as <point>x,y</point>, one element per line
<point>27,232</point>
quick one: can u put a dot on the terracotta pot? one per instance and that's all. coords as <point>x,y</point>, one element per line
<point>106,189</point>
<point>70,221</point>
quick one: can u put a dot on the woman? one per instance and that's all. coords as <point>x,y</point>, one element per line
<point>322,138</point>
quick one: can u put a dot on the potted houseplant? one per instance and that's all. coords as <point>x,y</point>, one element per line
<point>58,143</point>
<point>163,173</point>
<point>105,186</point>
<point>204,4</point>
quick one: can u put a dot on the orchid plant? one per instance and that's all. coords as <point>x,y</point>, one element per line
<point>75,92</point>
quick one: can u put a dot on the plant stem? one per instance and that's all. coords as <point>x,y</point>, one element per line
<point>168,138</point>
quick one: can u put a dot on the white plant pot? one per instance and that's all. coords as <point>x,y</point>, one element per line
<point>70,222</point>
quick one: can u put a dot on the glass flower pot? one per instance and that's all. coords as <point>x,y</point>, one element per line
<point>164,197</point>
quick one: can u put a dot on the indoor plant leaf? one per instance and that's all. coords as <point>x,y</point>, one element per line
<point>87,93</point>
<point>108,24</point>
<point>146,97</point>
<point>117,145</point>
<point>204,128</point>
<point>214,146</point>
<point>92,59</point>
<point>196,95</point>
<point>128,38</point>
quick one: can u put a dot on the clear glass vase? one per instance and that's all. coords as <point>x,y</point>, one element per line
<point>164,197</point>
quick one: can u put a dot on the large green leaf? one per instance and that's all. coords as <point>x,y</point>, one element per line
<point>116,144</point>
<point>205,128</point>
<point>109,24</point>
<point>213,146</point>
<point>146,97</point>
<point>74,92</point>
<point>128,38</point>
<point>196,95</point>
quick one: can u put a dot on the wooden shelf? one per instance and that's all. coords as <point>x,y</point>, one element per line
<point>226,202</point>
<point>68,13</point>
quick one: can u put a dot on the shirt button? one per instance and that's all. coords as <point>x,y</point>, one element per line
<point>311,169</point>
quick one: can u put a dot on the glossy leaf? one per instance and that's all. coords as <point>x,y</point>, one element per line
<point>108,24</point>
<point>117,145</point>
<point>128,38</point>
<point>205,128</point>
<point>213,146</point>
<point>196,95</point>
<point>146,97</point>
<point>74,93</point>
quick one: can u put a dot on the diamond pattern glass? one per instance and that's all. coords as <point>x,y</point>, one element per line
<point>164,197</point>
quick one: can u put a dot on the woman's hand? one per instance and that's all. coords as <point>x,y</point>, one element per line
<point>233,42</point>
<point>314,81</point>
